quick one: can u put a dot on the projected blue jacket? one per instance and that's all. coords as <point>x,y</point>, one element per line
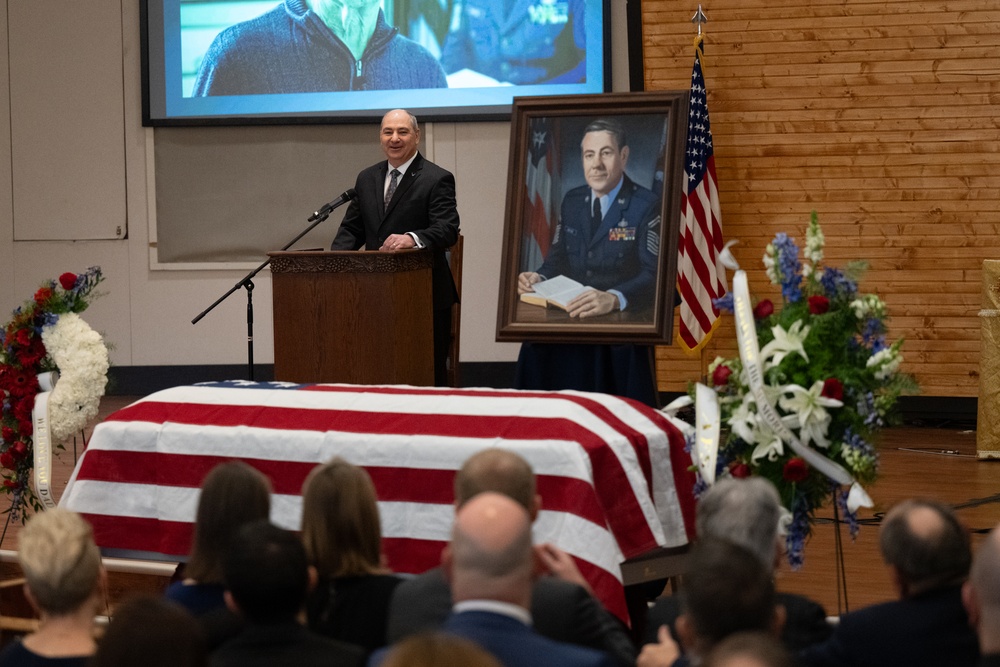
<point>290,50</point>
<point>535,41</point>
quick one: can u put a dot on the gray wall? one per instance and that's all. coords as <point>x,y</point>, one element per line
<point>79,186</point>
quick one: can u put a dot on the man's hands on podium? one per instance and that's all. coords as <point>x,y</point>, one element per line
<point>398,242</point>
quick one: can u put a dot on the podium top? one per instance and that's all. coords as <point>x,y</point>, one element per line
<point>350,261</point>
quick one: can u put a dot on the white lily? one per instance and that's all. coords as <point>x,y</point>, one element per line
<point>785,343</point>
<point>769,443</point>
<point>744,419</point>
<point>808,407</point>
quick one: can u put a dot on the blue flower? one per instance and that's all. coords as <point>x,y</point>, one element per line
<point>788,266</point>
<point>849,516</point>
<point>835,283</point>
<point>724,303</point>
<point>798,530</point>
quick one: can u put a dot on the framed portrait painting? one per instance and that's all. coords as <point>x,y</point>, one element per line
<point>592,218</point>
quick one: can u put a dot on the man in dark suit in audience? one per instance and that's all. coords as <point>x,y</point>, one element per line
<point>267,577</point>
<point>561,607</point>
<point>490,564</point>
<point>407,202</point>
<point>981,596</point>
<point>927,551</point>
<point>747,512</point>
<point>726,590</point>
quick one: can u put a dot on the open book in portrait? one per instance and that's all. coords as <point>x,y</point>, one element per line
<point>558,292</point>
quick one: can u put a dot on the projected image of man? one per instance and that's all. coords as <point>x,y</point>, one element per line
<point>521,42</point>
<point>608,234</point>
<point>304,46</point>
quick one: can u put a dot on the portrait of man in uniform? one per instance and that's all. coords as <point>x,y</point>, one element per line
<point>595,222</point>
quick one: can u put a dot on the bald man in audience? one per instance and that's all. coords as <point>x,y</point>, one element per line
<point>981,597</point>
<point>490,564</point>
<point>928,554</point>
<point>561,606</point>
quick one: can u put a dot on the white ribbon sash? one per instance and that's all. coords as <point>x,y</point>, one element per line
<point>43,441</point>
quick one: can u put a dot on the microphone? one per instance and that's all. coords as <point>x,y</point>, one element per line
<point>326,209</point>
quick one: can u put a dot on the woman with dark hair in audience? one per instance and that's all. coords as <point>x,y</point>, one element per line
<point>151,632</point>
<point>63,581</point>
<point>343,538</point>
<point>232,495</point>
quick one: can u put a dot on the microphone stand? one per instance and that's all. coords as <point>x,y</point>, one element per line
<point>246,281</point>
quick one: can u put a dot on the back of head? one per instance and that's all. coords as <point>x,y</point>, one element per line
<point>744,511</point>
<point>233,494</point>
<point>61,563</point>
<point>266,573</point>
<point>500,471</point>
<point>748,649</point>
<point>726,590</point>
<point>341,529</point>
<point>152,632</point>
<point>490,553</point>
<point>926,544</point>
<point>438,650</point>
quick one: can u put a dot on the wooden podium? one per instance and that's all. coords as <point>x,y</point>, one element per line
<point>356,317</point>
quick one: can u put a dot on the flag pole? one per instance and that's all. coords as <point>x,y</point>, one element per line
<point>699,18</point>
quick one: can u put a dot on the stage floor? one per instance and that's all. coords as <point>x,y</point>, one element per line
<point>937,463</point>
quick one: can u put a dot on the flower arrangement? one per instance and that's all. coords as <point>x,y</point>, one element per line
<point>46,334</point>
<point>804,413</point>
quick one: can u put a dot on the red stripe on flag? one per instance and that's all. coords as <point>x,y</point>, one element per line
<point>622,510</point>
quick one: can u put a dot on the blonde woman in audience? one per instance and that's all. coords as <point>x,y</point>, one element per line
<point>343,538</point>
<point>63,581</point>
<point>151,632</point>
<point>232,495</point>
<point>438,650</point>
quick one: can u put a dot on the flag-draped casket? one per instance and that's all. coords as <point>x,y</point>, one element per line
<point>613,474</point>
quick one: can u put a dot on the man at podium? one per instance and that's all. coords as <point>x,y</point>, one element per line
<point>407,202</point>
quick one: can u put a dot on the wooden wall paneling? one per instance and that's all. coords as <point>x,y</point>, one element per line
<point>884,117</point>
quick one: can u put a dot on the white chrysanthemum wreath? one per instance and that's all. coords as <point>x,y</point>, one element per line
<point>82,359</point>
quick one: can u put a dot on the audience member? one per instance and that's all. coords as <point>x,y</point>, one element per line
<point>151,632</point>
<point>233,494</point>
<point>438,650</point>
<point>727,589</point>
<point>561,607</point>
<point>343,538</point>
<point>747,512</point>
<point>490,565</point>
<point>928,554</point>
<point>267,577</point>
<point>63,581</point>
<point>749,649</point>
<point>981,595</point>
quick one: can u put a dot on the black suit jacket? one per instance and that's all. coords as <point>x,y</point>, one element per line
<point>424,203</point>
<point>285,644</point>
<point>560,610</point>
<point>927,630</point>
<point>805,623</point>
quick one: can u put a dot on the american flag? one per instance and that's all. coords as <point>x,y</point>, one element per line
<point>612,473</point>
<point>540,195</point>
<point>701,276</point>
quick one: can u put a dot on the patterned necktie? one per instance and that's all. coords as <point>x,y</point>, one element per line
<point>595,221</point>
<point>392,185</point>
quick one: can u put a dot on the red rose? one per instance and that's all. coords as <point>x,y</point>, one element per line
<point>763,309</point>
<point>42,295</point>
<point>739,470</point>
<point>68,281</point>
<point>818,304</point>
<point>795,470</point>
<point>8,434</point>
<point>23,337</point>
<point>720,375</point>
<point>833,388</point>
<point>7,461</point>
<point>18,450</point>
<point>26,427</point>
<point>10,484</point>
